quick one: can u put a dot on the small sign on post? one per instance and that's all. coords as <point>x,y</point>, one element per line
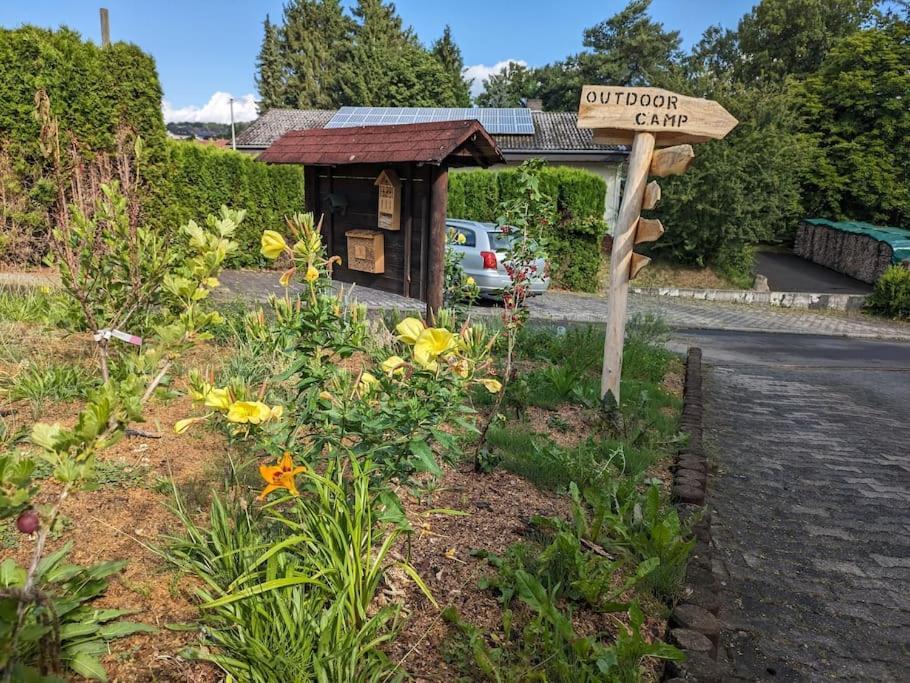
<point>648,119</point>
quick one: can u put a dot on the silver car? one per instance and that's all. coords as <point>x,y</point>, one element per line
<point>484,251</point>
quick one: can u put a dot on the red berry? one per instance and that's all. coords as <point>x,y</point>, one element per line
<point>28,522</point>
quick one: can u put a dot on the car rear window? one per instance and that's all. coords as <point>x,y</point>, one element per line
<point>500,242</point>
<point>470,239</point>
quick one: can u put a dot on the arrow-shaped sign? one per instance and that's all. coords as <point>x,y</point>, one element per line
<point>617,113</point>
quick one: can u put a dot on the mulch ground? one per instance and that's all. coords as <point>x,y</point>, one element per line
<point>131,520</point>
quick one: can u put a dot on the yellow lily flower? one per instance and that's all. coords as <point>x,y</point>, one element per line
<point>368,382</point>
<point>280,476</point>
<point>494,386</point>
<point>311,274</point>
<point>432,343</point>
<point>469,281</point>
<point>409,329</point>
<point>273,244</point>
<point>219,399</point>
<point>253,412</point>
<point>393,365</point>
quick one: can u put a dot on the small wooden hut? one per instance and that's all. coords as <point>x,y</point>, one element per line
<point>383,191</point>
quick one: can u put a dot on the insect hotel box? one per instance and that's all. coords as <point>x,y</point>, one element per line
<point>389,213</point>
<point>366,251</point>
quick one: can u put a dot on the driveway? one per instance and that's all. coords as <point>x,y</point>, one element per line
<point>557,306</point>
<point>811,503</point>
<point>792,273</point>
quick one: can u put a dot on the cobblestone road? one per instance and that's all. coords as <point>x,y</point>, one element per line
<point>570,307</point>
<point>812,505</point>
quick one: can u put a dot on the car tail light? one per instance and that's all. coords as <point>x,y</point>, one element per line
<point>489,260</point>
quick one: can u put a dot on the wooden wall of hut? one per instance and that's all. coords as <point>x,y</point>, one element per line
<point>349,200</point>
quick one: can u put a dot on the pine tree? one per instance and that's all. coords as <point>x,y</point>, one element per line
<point>315,42</point>
<point>507,88</point>
<point>388,65</point>
<point>448,54</point>
<point>270,71</point>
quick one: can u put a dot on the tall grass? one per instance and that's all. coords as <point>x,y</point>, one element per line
<point>288,595</point>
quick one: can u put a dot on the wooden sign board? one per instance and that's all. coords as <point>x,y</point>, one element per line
<point>645,118</point>
<point>616,114</point>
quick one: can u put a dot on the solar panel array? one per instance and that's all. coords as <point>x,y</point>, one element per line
<point>496,121</point>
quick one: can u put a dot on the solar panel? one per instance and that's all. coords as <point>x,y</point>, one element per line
<point>497,121</point>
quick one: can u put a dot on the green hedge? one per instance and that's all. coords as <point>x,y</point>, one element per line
<point>94,91</point>
<point>575,217</point>
<point>201,178</point>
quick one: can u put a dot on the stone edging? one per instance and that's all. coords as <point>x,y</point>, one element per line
<point>693,625</point>
<point>807,300</point>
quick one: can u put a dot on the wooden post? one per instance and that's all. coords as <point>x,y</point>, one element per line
<point>105,27</point>
<point>621,261</point>
<point>408,209</point>
<point>439,199</point>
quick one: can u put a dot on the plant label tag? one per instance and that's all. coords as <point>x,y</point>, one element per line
<point>107,334</point>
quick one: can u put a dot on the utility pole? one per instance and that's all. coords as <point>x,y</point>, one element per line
<point>233,137</point>
<point>105,27</point>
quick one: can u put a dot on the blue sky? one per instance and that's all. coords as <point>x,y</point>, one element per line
<point>204,47</point>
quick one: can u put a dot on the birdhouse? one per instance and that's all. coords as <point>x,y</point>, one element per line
<point>389,200</point>
<point>366,251</point>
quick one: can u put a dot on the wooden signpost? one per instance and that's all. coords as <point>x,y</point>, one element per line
<point>661,126</point>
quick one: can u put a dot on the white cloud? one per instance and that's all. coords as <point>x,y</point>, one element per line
<point>480,72</point>
<point>216,110</point>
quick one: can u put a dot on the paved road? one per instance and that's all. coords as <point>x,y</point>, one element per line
<point>792,273</point>
<point>811,437</point>
<point>591,308</point>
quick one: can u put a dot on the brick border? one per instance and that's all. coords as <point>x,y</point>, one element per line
<point>693,626</point>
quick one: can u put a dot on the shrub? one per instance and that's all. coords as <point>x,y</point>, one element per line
<point>891,296</point>
<point>96,95</point>
<point>202,178</point>
<point>573,213</point>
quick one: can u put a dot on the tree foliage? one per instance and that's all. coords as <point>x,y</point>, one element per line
<point>507,88</point>
<point>447,52</point>
<point>855,106</point>
<point>322,58</point>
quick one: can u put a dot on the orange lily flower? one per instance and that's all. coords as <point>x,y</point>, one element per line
<point>280,476</point>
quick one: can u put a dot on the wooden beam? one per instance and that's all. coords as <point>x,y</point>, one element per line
<point>617,113</point>
<point>105,27</point>
<point>648,230</point>
<point>652,196</point>
<point>621,262</point>
<point>408,203</point>
<point>439,196</point>
<point>672,160</point>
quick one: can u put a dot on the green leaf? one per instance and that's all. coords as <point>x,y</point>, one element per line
<point>426,459</point>
<point>121,629</point>
<point>86,665</point>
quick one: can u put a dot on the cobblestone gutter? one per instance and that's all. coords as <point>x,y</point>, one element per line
<point>693,625</point>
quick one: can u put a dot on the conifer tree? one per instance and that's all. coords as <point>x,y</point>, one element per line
<point>270,70</point>
<point>315,41</point>
<point>448,54</point>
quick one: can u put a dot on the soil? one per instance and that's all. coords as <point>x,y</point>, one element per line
<point>661,274</point>
<point>131,521</point>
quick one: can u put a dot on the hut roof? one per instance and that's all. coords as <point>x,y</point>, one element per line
<point>455,143</point>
